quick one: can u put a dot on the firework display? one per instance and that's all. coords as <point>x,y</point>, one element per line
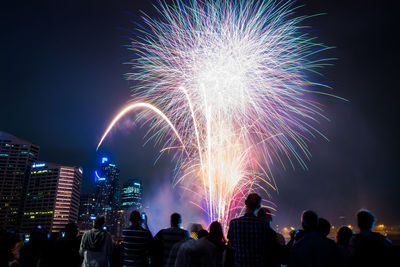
<point>225,86</point>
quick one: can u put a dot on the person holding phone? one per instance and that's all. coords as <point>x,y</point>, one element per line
<point>137,241</point>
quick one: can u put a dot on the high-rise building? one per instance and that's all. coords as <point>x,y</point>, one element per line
<point>107,186</point>
<point>52,198</point>
<point>87,211</point>
<point>16,157</point>
<point>131,194</point>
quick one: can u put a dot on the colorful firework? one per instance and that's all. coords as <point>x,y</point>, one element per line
<point>228,83</point>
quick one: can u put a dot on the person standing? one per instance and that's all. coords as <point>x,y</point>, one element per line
<point>313,249</point>
<point>165,239</point>
<point>250,236</point>
<point>96,245</point>
<point>369,248</point>
<point>137,241</point>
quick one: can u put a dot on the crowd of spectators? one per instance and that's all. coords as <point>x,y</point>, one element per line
<point>250,242</point>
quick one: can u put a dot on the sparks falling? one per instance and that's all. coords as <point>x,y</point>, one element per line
<point>224,84</point>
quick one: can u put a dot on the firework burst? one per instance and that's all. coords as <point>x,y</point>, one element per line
<point>228,83</point>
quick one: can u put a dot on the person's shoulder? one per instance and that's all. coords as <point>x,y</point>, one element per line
<point>159,234</point>
<point>238,219</point>
<point>383,240</point>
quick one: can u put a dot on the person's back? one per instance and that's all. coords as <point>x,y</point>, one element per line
<point>168,238</point>
<point>369,248</point>
<point>343,237</point>
<point>313,249</point>
<point>96,245</point>
<point>136,242</point>
<point>250,236</point>
<point>66,249</point>
<point>165,239</point>
<point>32,252</point>
<point>197,253</point>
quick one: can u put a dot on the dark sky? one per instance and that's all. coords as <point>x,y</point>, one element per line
<point>62,81</point>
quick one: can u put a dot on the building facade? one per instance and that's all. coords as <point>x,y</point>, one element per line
<point>16,158</point>
<point>132,194</point>
<point>52,197</point>
<point>87,211</point>
<point>107,186</point>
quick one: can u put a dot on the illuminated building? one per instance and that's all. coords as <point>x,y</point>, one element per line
<point>131,194</point>
<point>87,211</point>
<point>116,221</point>
<point>16,157</point>
<point>52,198</point>
<point>107,186</point>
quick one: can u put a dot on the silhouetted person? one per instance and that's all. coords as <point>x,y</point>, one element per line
<point>369,248</point>
<point>137,241</point>
<point>32,252</point>
<point>10,246</point>
<point>324,227</point>
<point>250,236</point>
<point>216,236</point>
<point>66,249</point>
<point>96,245</point>
<point>117,257</point>
<point>343,237</point>
<point>278,253</point>
<point>313,249</point>
<point>197,252</point>
<point>165,239</point>
<point>195,230</point>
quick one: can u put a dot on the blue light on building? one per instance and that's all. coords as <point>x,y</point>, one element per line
<point>97,177</point>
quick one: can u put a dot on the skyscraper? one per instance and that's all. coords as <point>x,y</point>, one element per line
<point>87,211</point>
<point>16,157</point>
<point>131,194</point>
<point>52,198</point>
<point>107,186</point>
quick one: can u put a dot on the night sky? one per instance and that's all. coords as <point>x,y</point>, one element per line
<point>62,81</point>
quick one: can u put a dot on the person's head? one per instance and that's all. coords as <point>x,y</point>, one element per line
<point>71,230</point>
<point>344,235</point>
<point>176,220</point>
<point>324,227</point>
<point>309,221</point>
<point>253,202</point>
<point>215,232</point>
<point>202,233</point>
<point>365,220</point>
<point>99,222</point>
<point>195,228</point>
<point>265,213</point>
<point>135,218</point>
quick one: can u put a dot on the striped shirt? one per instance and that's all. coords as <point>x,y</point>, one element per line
<point>168,238</point>
<point>137,241</point>
<point>251,237</point>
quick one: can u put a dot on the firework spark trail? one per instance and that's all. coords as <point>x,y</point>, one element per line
<point>230,81</point>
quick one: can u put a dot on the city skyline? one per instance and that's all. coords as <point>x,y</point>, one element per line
<point>356,169</point>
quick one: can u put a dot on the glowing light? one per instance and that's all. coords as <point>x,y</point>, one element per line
<point>104,160</point>
<point>230,81</point>
<point>38,165</point>
<point>98,178</point>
